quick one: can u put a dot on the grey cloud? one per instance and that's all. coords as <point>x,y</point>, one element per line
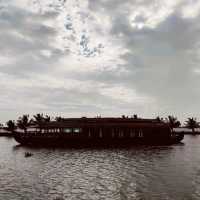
<point>23,38</point>
<point>60,100</point>
<point>158,63</point>
<point>160,60</point>
<point>21,30</point>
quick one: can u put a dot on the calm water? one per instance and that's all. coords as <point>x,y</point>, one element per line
<point>142,172</point>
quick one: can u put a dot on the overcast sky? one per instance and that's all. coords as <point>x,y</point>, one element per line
<point>99,57</point>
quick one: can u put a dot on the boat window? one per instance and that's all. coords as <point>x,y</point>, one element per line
<point>140,133</point>
<point>100,133</point>
<point>77,130</point>
<point>89,132</point>
<point>67,130</point>
<point>121,134</point>
<point>113,133</point>
<point>31,129</point>
<point>132,133</point>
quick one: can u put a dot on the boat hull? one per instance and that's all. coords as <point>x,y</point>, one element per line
<point>59,140</point>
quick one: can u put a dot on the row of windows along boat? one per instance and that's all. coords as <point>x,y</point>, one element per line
<point>94,131</point>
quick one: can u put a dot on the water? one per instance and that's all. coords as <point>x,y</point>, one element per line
<point>142,172</point>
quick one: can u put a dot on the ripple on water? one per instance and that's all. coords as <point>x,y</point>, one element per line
<point>88,175</point>
<point>141,172</point>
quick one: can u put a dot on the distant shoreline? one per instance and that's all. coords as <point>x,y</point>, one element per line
<point>6,135</point>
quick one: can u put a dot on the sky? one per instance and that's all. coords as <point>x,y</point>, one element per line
<point>76,58</point>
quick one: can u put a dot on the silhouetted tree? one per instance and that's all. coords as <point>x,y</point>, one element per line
<point>23,122</point>
<point>47,118</point>
<point>38,118</point>
<point>192,124</point>
<point>159,119</point>
<point>10,125</point>
<point>135,116</point>
<point>173,121</point>
<point>59,119</point>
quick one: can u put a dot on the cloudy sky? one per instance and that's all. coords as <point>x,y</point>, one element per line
<point>100,57</point>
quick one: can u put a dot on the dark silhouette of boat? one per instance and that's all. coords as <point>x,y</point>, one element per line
<point>28,154</point>
<point>94,131</point>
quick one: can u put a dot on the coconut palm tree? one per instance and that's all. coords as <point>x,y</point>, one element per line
<point>38,118</point>
<point>23,122</point>
<point>173,121</point>
<point>192,124</point>
<point>10,125</point>
<point>47,118</point>
<point>59,119</point>
<point>159,119</point>
<point>135,116</point>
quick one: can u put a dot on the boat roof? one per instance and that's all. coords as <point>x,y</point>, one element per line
<point>102,122</point>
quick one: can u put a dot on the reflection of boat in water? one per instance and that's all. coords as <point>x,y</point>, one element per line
<point>103,131</point>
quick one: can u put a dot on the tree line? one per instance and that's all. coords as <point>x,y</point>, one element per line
<point>25,121</point>
<point>173,122</point>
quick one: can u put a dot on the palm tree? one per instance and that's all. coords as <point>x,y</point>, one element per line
<point>192,124</point>
<point>23,122</point>
<point>159,119</point>
<point>135,116</point>
<point>10,125</point>
<point>47,118</point>
<point>173,121</point>
<point>38,118</point>
<point>1,125</point>
<point>59,119</point>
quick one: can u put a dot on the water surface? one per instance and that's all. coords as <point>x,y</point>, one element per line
<point>140,172</point>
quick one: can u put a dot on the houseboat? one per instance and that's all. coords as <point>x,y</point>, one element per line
<point>98,130</point>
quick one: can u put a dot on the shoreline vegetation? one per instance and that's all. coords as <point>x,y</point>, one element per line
<point>190,127</point>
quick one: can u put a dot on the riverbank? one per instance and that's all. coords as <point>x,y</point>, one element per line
<point>191,133</point>
<point>5,133</point>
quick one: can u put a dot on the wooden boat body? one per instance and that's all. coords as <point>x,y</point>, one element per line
<point>98,131</point>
